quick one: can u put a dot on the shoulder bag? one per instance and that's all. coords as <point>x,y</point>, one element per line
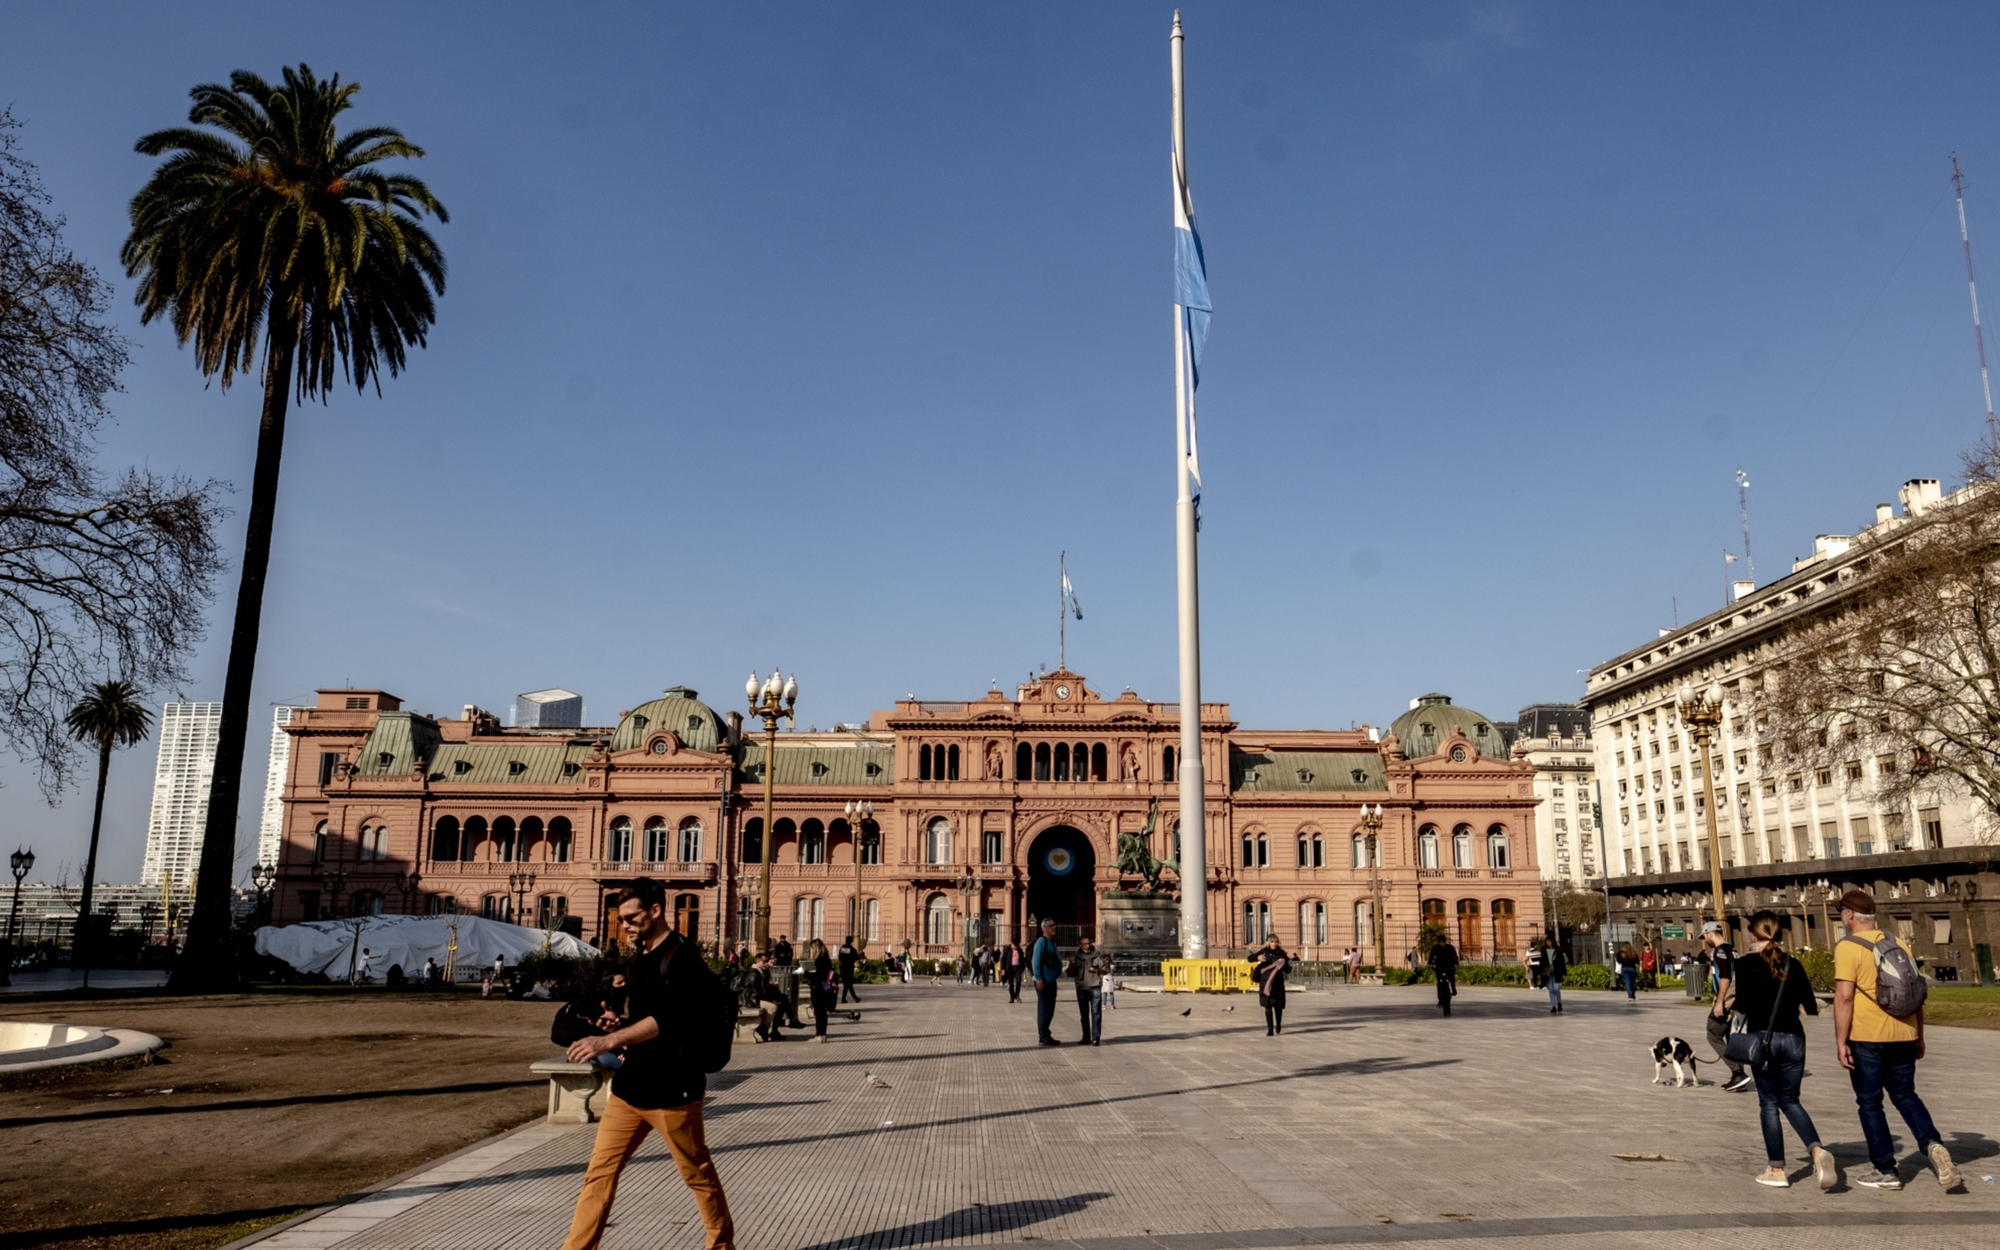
<point>1753,1049</point>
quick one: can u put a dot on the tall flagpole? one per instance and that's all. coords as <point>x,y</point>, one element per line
<point>1194,832</point>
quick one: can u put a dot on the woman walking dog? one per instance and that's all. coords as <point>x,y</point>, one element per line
<point>1771,988</point>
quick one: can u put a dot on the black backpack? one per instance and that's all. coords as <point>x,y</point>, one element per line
<point>711,1026</point>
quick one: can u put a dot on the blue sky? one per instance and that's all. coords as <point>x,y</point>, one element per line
<point>812,334</point>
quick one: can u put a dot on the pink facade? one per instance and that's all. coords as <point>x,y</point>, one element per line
<point>999,809</point>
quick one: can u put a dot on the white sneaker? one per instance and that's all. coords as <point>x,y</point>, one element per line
<point>1947,1171</point>
<point>1775,1178</point>
<point>1826,1170</point>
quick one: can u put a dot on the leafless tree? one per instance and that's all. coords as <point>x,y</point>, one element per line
<point>1895,684</point>
<point>1571,907</point>
<point>100,575</point>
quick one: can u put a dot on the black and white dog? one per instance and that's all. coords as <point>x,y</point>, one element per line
<point>1673,1051</point>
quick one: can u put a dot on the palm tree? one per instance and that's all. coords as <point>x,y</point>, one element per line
<point>110,716</point>
<point>271,232</point>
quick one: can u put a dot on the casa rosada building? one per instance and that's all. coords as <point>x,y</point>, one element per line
<point>999,810</point>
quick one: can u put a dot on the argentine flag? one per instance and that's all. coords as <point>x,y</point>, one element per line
<point>1191,293</point>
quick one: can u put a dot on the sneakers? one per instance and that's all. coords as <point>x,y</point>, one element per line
<point>820,1038</point>
<point>1875,1178</point>
<point>1774,1177</point>
<point>1825,1170</point>
<point>1947,1171</point>
<point>1738,1085</point>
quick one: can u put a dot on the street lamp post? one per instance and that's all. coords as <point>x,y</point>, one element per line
<point>1701,712</point>
<point>264,876</point>
<point>769,699</point>
<point>407,882</point>
<point>518,885</point>
<point>20,861</point>
<point>858,812</point>
<point>1371,822</point>
<point>333,881</point>
<point>1962,893</point>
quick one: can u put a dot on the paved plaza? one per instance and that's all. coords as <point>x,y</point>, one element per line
<point>1371,1121</point>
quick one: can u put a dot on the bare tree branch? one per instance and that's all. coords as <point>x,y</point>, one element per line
<point>97,578</point>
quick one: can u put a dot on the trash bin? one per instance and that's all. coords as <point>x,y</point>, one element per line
<point>1695,974</point>
<point>786,981</point>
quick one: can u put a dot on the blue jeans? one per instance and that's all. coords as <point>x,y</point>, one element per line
<point>1555,993</point>
<point>1090,1005</point>
<point>1045,1008</point>
<point>1890,1066</point>
<point>1778,1094</point>
<point>1630,976</point>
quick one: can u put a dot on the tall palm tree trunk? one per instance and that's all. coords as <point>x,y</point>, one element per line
<point>80,951</point>
<point>206,963</point>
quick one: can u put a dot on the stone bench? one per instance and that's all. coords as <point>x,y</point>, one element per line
<point>577,1091</point>
<point>747,1018</point>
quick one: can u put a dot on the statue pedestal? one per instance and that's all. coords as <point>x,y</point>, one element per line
<point>1139,926</point>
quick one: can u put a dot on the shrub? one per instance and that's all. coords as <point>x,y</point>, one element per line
<point>1819,967</point>
<point>1590,977</point>
<point>1404,976</point>
<point>569,978</point>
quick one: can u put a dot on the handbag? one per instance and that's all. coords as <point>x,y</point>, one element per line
<point>1753,1050</point>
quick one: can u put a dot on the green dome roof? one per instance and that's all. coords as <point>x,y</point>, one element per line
<point>678,710</point>
<point>1424,728</point>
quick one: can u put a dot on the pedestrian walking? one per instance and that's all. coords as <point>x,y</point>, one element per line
<point>1628,970</point>
<point>1554,973</point>
<point>1771,988</point>
<point>1878,1022</point>
<point>1107,993</point>
<point>1045,964</point>
<point>1649,967</point>
<point>660,1085</point>
<point>362,962</point>
<point>1722,963</point>
<point>1087,968</point>
<point>1269,973</point>
<point>1444,962</point>
<point>430,970</point>
<point>849,956</point>
<point>1013,964</point>
<point>1536,956</point>
<point>1353,961</point>
<point>820,983</point>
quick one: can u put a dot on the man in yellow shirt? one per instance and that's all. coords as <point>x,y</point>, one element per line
<point>1880,1051</point>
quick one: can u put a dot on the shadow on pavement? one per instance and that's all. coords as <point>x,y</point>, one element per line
<point>973,1221</point>
<point>252,1104</point>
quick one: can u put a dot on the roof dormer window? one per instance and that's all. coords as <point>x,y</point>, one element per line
<point>515,768</point>
<point>818,769</point>
<point>385,758</point>
<point>461,767</point>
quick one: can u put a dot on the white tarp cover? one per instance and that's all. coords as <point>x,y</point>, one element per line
<point>328,945</point>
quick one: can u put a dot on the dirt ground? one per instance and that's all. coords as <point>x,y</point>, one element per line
<point>266,1103</point>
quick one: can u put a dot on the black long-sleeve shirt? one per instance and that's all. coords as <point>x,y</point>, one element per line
<point>1756,987</point>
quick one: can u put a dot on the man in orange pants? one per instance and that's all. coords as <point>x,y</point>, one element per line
<point>660,1087</point>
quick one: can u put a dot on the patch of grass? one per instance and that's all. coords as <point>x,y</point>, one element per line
<point>1963,1006</point>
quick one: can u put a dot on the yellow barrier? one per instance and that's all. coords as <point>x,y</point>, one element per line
<point>1218,976</point>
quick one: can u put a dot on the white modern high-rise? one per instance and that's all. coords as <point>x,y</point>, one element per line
<point>271,828</point>
<point>548,709</point>
<point>189,733</point>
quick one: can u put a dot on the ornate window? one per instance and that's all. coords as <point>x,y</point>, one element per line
<point>871,842</point>
<point>469,840</point>
<point>1024,762</point>
<point>812,843</point>
<point>1062,762</point>
<point>1041,761</point>
<point>690,841</point>
<point>620,849</point>
<point>1498,856</point>
<point>1312,923</point>
<point>1364,926</point>
<point>1312,850</point>
<point>503,839</point>
<point>937,920</point>
<point>1100,763</point>
<point>1503,926</point>
<point>809,915</point>
<point>496,907</point>
<point>1427,847</point>
<point>990,847</point>
<point>656,840</point>
<point>753,840</point>
<point>1256,850</point>
<point>1166,763</point>
<point>559,839</point>
<point>1079,762</point>
<point>937,842</point>
<point>319,843</point>
<point>1256,921</point>
<point>531,832</point>
<point>551,910</point>
<point>1469,940</point>
<point>1461,847</point>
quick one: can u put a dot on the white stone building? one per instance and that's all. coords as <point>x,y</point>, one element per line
<point>189,733</point>
<point>271,822</point>
<point>1555,738</point>
<point>1767,814</point>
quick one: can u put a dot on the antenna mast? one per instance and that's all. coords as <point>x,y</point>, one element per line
<point>1743,507</point>
<point>1978,333</point>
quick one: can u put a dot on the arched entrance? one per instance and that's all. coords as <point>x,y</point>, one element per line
<point>1062,880</point>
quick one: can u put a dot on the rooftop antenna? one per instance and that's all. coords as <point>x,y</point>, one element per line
<point>1743,507</point>
<point>1972,287</point>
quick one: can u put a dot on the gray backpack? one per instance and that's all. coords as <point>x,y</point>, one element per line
<point>1899,987</point>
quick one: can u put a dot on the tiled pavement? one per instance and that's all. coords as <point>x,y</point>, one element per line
<point>1370,1121</point>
